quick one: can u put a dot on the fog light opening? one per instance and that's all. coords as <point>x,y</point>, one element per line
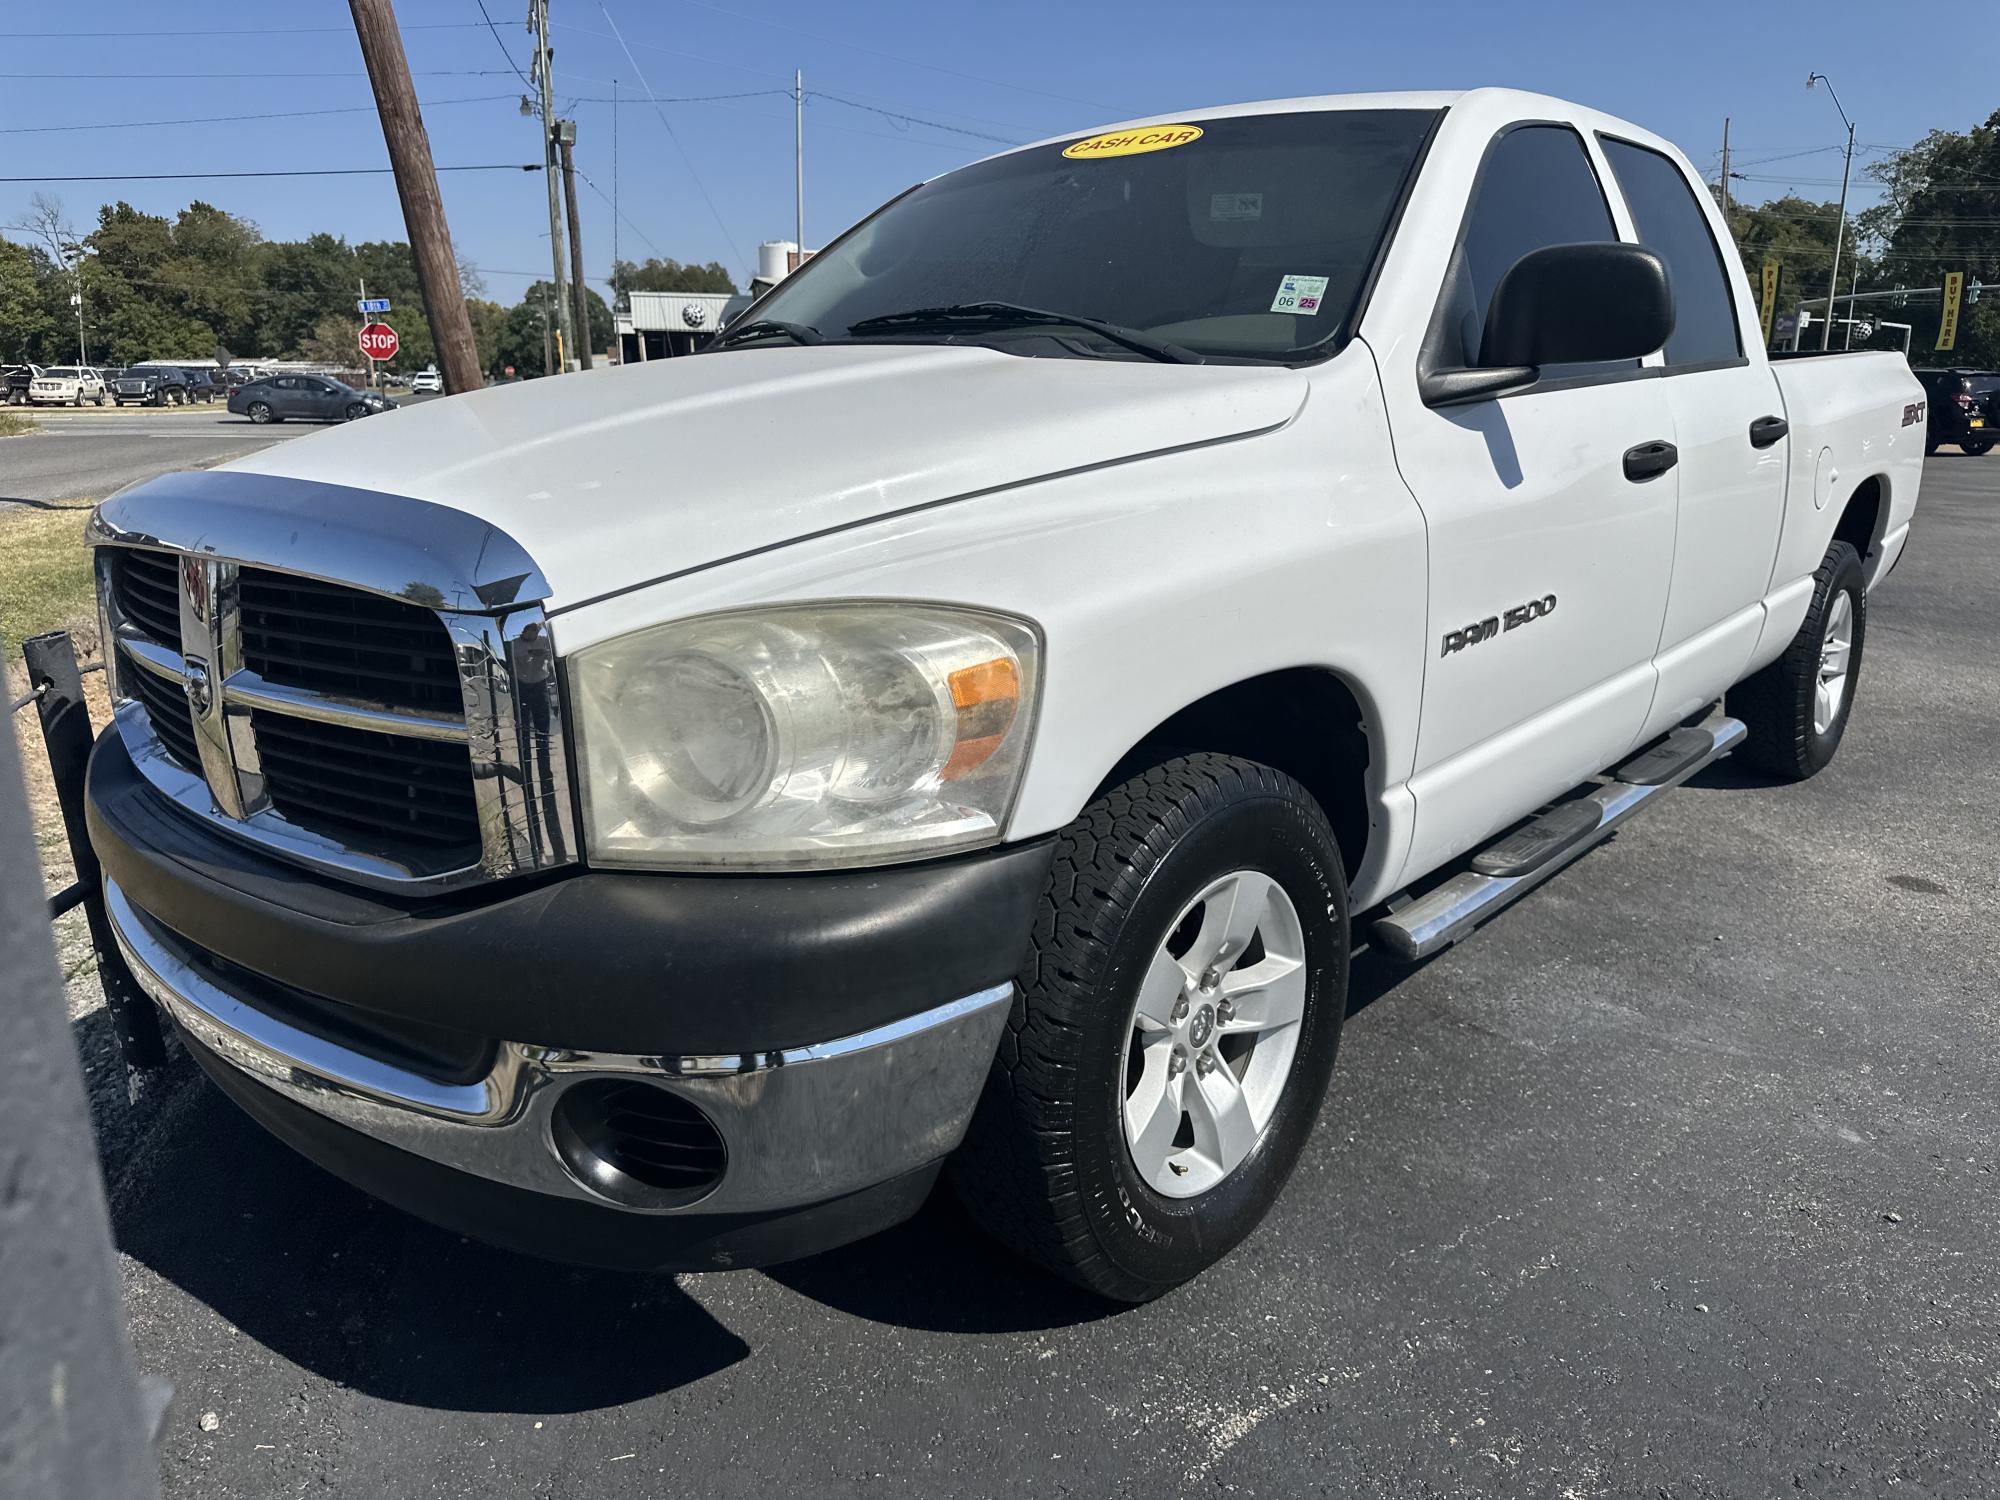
<point>637,1145</point>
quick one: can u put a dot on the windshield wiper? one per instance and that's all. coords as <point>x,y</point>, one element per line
<point>798,333</point>
<point>1012,315</point>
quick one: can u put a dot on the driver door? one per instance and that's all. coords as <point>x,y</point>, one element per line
<point>1549,555</point>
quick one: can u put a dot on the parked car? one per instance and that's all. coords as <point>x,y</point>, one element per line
<point>150,385</point>
<point>14,383</point>
<point>1186,538</point>
<point>1961,409</point>
<point>201,384</point>
<point>67,385</point>
<point>427,380</point>
<point>314,398</point>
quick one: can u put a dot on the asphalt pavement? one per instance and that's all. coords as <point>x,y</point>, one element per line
<point>1678,1180</point>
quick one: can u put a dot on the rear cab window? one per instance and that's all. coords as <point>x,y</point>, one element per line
<point>1672,225</point>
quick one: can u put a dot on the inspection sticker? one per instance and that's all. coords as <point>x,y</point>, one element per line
<point>1235,208</point>
<point>1133,142</point>
<point>1300,295</point>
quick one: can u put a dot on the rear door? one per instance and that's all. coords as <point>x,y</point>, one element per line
<point>1548,565</point>
<point>1732,436</point>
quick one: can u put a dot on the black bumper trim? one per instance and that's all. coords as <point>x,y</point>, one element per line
<point>564,1229</point>
<point>594,960</point>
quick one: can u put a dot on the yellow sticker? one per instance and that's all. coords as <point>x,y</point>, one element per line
<point>1134,142</point>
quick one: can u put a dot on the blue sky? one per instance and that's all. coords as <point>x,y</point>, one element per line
<point>977,75</point>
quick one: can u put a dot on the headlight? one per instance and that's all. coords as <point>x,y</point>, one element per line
<point>803,736</point>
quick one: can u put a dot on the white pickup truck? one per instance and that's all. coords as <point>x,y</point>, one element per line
<point>965,719</point>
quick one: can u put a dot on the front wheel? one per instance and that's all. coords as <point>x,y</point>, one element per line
<point>1173,1032</point>
<point>259,412</point>
<point>355,411</point>
<point>1797,708</point>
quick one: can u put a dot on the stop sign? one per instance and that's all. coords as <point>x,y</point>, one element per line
<point>379,341</point>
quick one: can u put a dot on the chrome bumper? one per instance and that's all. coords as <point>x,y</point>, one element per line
<point>799,1126</point>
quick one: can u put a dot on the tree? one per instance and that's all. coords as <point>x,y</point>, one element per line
<point>1941,198</point>
<point>665,275</point>
<point>520,335</point>
<point>25,322</point>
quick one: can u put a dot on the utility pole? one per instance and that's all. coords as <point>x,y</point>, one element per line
<point>566,139</point>
<point>1725,171</point>
<point>1840,225</point>
<point>799,157</point>
<point>362,282</point>
<point>538,22</point>
<point>416,185</point>
<point>1853,290</point>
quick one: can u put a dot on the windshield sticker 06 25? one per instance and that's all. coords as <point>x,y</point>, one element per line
<point>1300,295</point>
<point>1133,142</point>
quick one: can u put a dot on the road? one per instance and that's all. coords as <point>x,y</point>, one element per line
<point>92,451</point>
<point>1677,1180</point>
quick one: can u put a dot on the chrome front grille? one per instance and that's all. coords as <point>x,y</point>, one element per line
<point>391,742</point>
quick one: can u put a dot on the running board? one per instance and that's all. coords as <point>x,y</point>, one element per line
<point>1516,863</point>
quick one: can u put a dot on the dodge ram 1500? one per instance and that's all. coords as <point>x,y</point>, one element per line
<point>963,721</point>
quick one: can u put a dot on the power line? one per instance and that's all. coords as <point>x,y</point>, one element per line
<point>285,114</point>
<point>978,135</point>
<point>504,52</point>
<point>8,36</point>
<point>622,215</point>
<point>667,125</point>
<point>419,73</point>
<point>910,62</point>
<point>296,172</point>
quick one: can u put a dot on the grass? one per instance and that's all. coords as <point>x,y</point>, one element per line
<point>14,423</point>
<point>45,584</point>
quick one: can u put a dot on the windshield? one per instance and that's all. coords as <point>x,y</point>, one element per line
<point>1247,237</point>
<point>1983,385</point>
<point>65,372</point>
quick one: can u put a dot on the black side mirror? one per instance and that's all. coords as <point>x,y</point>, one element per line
<point>1572,304</point>
<point>1563,304</point>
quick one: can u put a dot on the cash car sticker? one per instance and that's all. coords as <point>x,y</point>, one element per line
<point>1133,142</point>
<point>1300,295</point>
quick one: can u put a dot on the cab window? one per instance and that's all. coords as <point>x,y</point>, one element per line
<point>1672,225</point>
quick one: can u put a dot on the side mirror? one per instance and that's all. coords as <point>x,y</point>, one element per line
<point>1572,304</point>
<point>1563,304</point>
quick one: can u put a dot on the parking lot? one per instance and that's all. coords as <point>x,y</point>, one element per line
<point>1679,1179</point>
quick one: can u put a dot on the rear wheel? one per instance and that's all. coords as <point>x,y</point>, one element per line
<point>1175,1028</point>
<point>259,412</point>
<point>1797,708</point>
<point>1977,447</point>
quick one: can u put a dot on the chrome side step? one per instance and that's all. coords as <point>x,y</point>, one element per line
<point>1519,861</point>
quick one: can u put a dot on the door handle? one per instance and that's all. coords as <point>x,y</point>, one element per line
<point>1650,460</point>
<point>1768,430</point>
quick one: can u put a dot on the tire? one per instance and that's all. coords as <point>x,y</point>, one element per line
<point>1047,1166</point>
<point>259,412</point>
<point>1978,447</point>
<point>101,398</point>
<point>1793,733</point>
<point>355,411</point>
<point>78,403</point>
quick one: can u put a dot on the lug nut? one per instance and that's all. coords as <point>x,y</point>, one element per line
<point>1205,1064</point>
<point>1177,1063</point>
<point>1224,1012</point>
<point>1180,1010</point>
<point>1211,979</point>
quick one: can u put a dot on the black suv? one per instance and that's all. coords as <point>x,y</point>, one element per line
<point>1961,408</point>
<point>155,385</point>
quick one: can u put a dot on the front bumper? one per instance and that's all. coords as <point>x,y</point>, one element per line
<point>802,1128</point>
<point>425,1052</point>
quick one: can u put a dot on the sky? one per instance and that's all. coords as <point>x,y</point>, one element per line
<point>899,91</point>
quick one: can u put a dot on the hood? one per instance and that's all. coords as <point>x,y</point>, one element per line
<point>614,477</point>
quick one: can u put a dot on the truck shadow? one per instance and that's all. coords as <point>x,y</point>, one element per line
<point>362,1294</point>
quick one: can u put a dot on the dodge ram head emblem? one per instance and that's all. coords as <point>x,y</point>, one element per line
<point>194,682</point>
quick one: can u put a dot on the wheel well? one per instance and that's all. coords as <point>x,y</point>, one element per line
<point>1860,524</point>
<point>1304,721</point>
